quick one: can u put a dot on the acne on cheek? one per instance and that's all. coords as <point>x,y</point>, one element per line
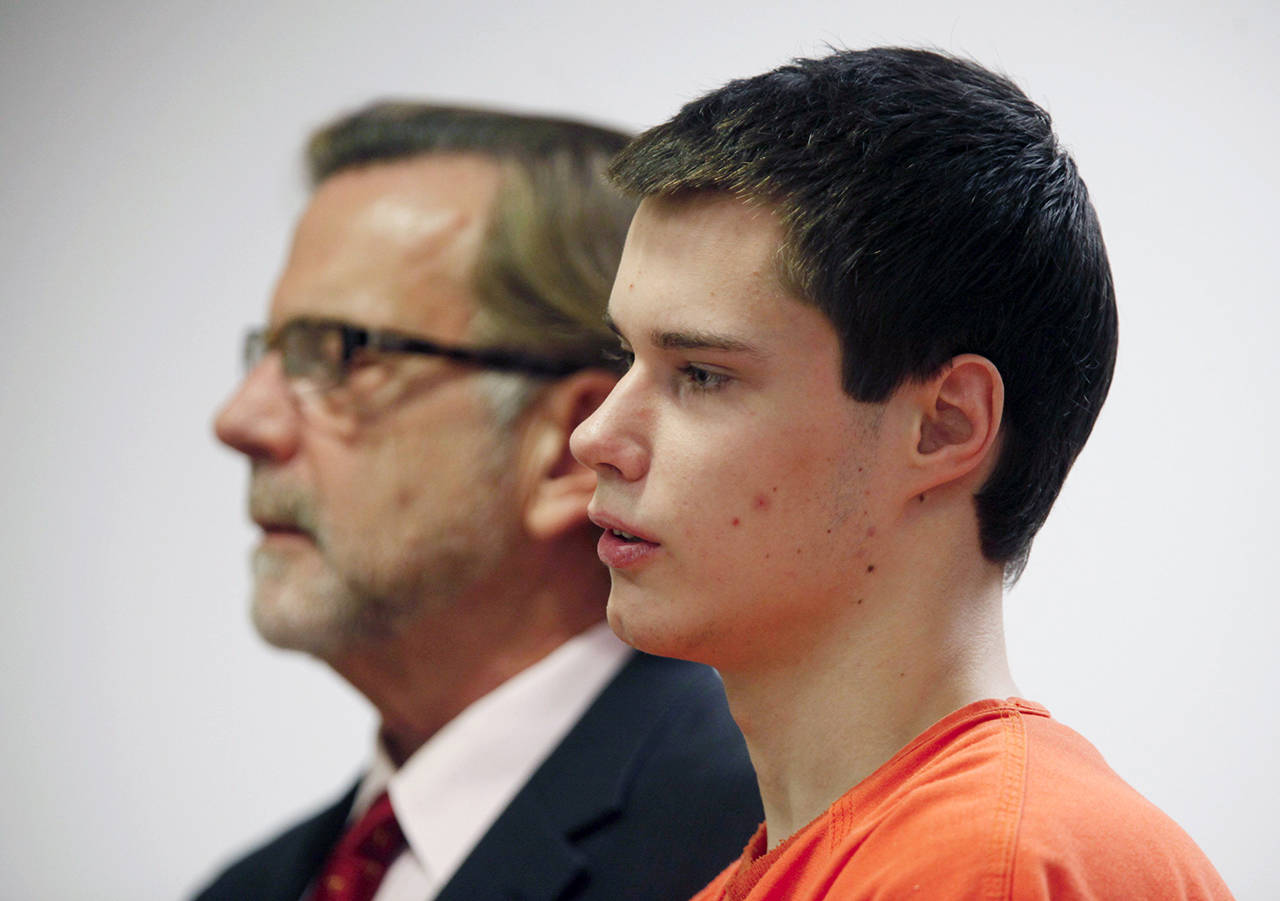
<point>761,502</point>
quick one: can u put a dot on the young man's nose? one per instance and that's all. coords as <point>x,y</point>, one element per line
<point>609,441</point>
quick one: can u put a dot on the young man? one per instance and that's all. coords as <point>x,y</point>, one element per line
<point>432,342</point>
<point>870,322</point>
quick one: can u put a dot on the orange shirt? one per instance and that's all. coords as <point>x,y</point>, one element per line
<point>996,801</point>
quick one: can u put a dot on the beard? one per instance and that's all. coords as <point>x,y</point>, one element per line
<point>332,587</point>
<point>300,601</point>
<point>302,605</point>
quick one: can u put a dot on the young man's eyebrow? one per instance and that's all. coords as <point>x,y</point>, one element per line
<point>694,339</point>
<point>700,340</point>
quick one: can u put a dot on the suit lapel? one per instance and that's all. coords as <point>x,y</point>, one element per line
<point>523,856</point>
<point>282,869</point>
<point>304,849</point>
<point>530,853</point>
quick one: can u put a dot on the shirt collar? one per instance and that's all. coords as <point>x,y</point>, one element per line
<point>447,795</point>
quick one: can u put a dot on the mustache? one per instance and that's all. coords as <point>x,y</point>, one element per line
<point>276,503</point>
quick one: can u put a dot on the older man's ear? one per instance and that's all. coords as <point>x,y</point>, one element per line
<point>560,486</point>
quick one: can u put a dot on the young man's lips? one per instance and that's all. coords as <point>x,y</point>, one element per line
<point>618,552</point>
<point>620,546</point>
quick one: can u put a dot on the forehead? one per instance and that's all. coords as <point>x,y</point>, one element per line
<point>702,261</point>
<point>392,245</point>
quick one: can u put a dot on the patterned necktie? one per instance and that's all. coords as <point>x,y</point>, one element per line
<point>358,862</point>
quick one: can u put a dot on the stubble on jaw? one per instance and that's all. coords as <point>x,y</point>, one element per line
<point>849,491</point>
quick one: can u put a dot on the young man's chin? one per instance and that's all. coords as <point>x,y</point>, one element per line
<point>619,621</point>
<point>654,624</point>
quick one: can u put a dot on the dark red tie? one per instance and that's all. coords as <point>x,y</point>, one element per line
<point>357,863</point>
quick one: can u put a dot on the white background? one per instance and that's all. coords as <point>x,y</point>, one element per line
<point>149,176</point>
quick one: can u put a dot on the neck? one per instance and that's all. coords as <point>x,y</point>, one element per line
<point>916,650</point>
<point>424,673</point>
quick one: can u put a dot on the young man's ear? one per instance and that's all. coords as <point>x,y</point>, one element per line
<point>960,410</point>
<point>561,486</point>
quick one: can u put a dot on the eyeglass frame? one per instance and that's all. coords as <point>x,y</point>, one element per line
<point>260,341</point>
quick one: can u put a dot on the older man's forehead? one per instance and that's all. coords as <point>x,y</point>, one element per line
<point>392,245</point>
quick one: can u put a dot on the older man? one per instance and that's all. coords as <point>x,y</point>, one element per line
<point>433,341</point>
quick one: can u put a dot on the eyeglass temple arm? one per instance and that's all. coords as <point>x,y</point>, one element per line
<point>495,358</point>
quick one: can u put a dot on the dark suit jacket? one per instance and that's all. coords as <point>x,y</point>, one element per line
<point>648,797</point>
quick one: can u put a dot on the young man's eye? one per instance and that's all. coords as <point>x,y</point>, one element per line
<point>700,379</point>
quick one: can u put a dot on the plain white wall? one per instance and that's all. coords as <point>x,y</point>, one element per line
<point>149,182</point>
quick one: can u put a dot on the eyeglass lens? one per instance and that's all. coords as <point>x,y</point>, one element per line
<point>310,352</point>
<point>313,352</point>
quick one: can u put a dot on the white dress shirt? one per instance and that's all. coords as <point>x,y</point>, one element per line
<point>448,794</point>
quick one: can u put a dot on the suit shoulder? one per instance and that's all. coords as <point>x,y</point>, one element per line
<point>281,867</point>
<point>695,758</point>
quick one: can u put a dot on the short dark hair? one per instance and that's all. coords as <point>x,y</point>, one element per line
<point>929,211</point>
<point>544,275</point>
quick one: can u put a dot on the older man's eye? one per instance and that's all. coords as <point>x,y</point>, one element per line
<point>620,358</point>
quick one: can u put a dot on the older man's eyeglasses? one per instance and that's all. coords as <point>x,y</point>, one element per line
<point>319,352</point>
